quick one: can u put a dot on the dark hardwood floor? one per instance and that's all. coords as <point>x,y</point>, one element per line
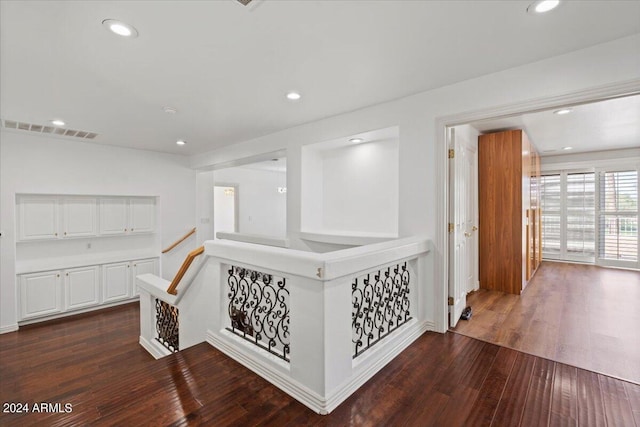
<point>95,364</point>
<point>581,315</point>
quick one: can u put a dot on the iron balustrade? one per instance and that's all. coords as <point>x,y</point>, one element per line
<point>167,325</point>
<point>259,309</point>
<point>379,306</point>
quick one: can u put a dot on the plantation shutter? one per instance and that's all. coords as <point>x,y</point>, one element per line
<point>580,214</point>
<point>618,216</point>
<point>551,204</point>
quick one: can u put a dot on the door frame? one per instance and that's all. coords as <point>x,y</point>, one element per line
<point>441,243</point>
<point>236,205</point>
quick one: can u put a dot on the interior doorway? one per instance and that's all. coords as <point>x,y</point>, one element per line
<point>225,209</point>
<point>463,220</point>
<point>589,186</point>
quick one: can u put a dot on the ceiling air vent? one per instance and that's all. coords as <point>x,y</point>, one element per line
<point>249,5</point>
<point>12,124</point>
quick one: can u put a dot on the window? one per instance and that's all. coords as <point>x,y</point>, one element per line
<point>580,216</point>
<point>568,216</point>
<point>618,218</point>
<point>551,207</point>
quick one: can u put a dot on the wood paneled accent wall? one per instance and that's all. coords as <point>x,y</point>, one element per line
<point>509,232</point>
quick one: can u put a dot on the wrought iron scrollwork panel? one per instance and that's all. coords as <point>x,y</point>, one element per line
<point>167,325</point>
<point>259,309</point>
<point>380,305</point>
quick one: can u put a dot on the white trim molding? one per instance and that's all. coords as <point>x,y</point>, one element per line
<point>323,405</point>
<point>8,328</point>
<point>155,349</point>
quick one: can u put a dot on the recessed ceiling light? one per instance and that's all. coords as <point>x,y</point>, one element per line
<point>293,96</point>
<point>120,28</point>
<point>567,148</point>
<point>542,6</point>
<point>356,140</point>
<point>58,122</point>
<point>181,142</point>
<point>563,111</point>
<point>170,110</point>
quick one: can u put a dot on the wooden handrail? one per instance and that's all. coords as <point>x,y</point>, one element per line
<point>180,240</point>
<point>172,289</point>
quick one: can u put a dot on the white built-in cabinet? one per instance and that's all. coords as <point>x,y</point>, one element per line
<point>45,217</point>
<point>142,215</point>
<point>60,273</point>
<point>82,287</point>
<point>79,216</point>
<point>40,294</point>
<point>127,216</point>
<point>49,293</point>
<point>38,218</point>
<point>117,283</point>
<point>142,266</point>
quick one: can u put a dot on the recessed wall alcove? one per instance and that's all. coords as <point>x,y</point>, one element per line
<point>350,188</point>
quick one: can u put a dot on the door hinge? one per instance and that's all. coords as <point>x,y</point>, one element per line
<point>451,228</point>
<point>450,300</point>
<point>452,153</point>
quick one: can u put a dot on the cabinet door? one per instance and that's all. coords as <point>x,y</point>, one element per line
<point>81,287</point>
<point>38,218</point>
<point>79,217</point>
<point>142,217</point>
<point>113,216</point>
<point>40,294</point>
<point>116,281</point>
<point>143,266</point>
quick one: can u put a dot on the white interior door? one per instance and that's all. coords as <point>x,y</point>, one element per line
<point>463,245</point>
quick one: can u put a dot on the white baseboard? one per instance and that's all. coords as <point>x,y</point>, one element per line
<point>80,311</point>
<point>385,355</point>
<point>293,388</point>
<point>8,328</point>
<point>324,404</point>
<point>154,349</point>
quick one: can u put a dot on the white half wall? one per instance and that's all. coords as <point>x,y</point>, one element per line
<point>40,164</point>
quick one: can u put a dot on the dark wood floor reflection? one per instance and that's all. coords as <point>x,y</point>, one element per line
<point>95,364</point>
<point>581,315</point>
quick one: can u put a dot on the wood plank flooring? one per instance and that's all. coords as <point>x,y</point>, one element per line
<point>580,315</point>
<point>94,363</point>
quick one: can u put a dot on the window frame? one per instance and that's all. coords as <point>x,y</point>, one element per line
<point>564,255</point>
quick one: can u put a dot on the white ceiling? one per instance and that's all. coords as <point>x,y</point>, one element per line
<point>226,68</point>
<point>606,125</point>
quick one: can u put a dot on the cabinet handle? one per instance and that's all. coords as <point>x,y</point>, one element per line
<point>125,229</point>
<point>128,266</point>
<point>65,233</point>
<point>67,274</point>
<point>57,275</point>
<point>474,228</point>
<point>135,265</point>
<point>55,234</point>
<point>132,229</point>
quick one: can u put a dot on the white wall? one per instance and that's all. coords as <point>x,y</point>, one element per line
<point>351,189</point>
<point>261,209</point>
<point>38,164</point>
<point>600,65</point>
